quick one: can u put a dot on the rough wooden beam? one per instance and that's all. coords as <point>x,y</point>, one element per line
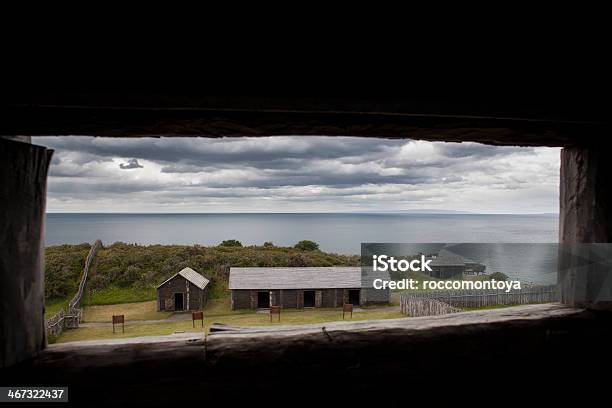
<point>585,216</point>
<point>23,175</point>
<point>281,342</point>
<point>273,119</point>
<point>534,343</point>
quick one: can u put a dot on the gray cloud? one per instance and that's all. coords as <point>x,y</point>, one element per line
<point>298,174</point>
<point>131,164</point>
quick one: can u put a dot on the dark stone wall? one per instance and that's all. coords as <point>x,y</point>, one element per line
<point>23,175</point>
<point>585,205</point>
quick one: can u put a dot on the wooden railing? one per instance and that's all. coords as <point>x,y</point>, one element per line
<point>73,317</point>
<point>55,324</point>
<point>74,314</point>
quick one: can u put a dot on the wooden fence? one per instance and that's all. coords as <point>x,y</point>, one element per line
<point>73,317</point>
<point>55,325</point>
<point>421,306</point>
<point>428,303</point>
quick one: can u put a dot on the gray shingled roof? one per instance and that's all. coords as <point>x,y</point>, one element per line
<point>192,276</point>
<point>295,278</point>
<point>447,258</point>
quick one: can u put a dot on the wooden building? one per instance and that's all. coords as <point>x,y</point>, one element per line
<point>256,288</point>
<point>186,290</point>
<point>447,265</point>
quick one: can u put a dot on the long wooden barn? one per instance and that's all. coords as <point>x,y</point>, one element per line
<point>257,288</point>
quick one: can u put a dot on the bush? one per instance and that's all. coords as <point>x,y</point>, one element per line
<point>297,260</point>
<point>498,276</point>
<point>268,244</point>
<point>307,245</point>
<point>131,275</point>
<point>231,243</point>
<point>98,281</point>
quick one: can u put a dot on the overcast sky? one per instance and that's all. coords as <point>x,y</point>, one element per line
<point>297,174</point>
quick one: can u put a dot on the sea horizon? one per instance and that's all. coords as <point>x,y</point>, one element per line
<point>334,232</point>
<point>407,212</point>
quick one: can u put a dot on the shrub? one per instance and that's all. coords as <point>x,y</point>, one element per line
<point>130,276</point>
<point>98,281</point>
<point>231,243</point>
<point>307,245</point>
<point>296,260</point>
<point>498,276</point>
<point>268,244</point>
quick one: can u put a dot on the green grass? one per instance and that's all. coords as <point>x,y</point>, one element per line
<point>131,311</point>
<point>53,306</point>
<point>216,311</point>
<point>240,319</point>
<point>116,295</point>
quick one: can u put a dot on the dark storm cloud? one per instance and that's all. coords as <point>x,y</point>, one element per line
<point>262,153</point>
<point>131,164</point>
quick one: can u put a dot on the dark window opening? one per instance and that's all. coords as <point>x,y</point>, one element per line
<point>353,297</point>
<point>309,298</point>
<point>178,301</point>
<point>263,300</point>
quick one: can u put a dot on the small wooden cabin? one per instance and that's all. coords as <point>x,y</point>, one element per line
<point>186,290</point>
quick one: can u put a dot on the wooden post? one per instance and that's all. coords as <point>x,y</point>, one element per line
<point>197,316</point>
<point>275,310</point>
<point>346,308</point>
<point>119,319</point>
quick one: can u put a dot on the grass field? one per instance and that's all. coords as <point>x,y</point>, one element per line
<point>109,296</point>
<point>217,311</point>
<point>115,295</point>
<point>131,311</point>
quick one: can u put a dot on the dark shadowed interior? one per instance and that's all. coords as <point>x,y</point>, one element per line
<point>559,347</point>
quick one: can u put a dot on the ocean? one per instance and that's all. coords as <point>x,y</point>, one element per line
<point>340,233</point>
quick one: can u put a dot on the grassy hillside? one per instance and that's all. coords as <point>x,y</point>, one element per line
<point>125,273</point>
